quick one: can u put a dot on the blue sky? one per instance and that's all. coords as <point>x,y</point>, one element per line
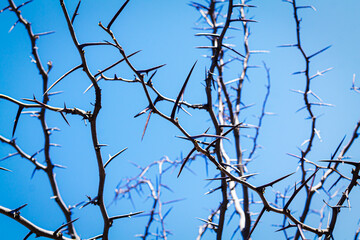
<point>164,31</point>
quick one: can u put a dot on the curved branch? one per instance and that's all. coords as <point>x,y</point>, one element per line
<point>40,232</point>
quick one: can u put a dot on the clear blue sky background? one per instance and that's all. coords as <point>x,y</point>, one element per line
<point>164,30</point>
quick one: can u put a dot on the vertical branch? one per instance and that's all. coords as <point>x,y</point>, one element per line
<point>46,132</point>
<point>307,85</point>
<point>246,231</point>
<point>92,120</point>
<point>311,116</point>
<point>309,190</point>
<point>161,217</point>
<point>234,112</point>
<point>263,113</point>
<point>217,64</point>
<point>153,210</point>
<point>216,57</point>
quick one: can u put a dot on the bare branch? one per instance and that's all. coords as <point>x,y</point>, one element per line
<point>117,14</point>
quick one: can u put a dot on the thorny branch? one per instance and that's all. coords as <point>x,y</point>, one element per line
<point>39,232</point>
<point>310,112</point>
<point>135,184</point>
<point>44,75</point>
<point>224,106</point>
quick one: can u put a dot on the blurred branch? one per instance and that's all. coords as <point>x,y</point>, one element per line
<point>155,191</point>
<point>353,87</point>
<point>263,113</point>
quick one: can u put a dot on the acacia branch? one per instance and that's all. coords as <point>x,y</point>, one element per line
<point>41,105</point>
<point>312,117</point>
<point>44,74</point>
<point>38,231</point>
<point>22,153</point>
<point>92,120</point>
